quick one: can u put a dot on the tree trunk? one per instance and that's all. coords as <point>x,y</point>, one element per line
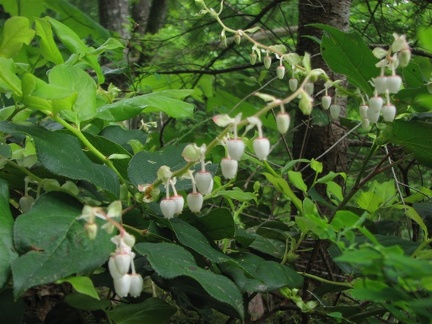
<point>140,14</point>
<point>157,16</point>
<point>114,15</point>
<point>310,141</point>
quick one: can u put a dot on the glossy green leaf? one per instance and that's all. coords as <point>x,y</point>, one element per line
<point>272,247</point>
<point>82,284</point>
<point>216,225</point>
<point>348,54</point>
<point>123,136</point>
<point>75,79</point>
<point>191,237</point>
<point>16,32</point>
<point>62,250</point>
<point>151,311</point>
<point>171,261</point>
<point>412,213</point>
<point>144,165</point>
<point>9,82</point>
<point>7,251</point>
<point>120,110</point>
<point>251,274</point>
<point>61,153</point>
<point>414,136</point>
<point>48,46</point>
<point>24,8</point>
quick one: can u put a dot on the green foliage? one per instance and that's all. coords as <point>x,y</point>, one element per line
<point>76,183</point>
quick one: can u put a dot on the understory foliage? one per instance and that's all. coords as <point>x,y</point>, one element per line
<point>212,216</point>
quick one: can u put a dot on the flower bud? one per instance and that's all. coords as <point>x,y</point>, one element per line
<point>365,123</point>
<point>326,102</point>
<point>113,268</point>
<point>179,203</point>
<point>282,122</point>
<point>229,168</point>
<point>305,104</point>
<point>394,83</point>
<point>122,285</point>
<point>293,84</point>
<point>252,58</point>
<point>375,104</point>
<point>335,111</point>
<point>25,203</point>
<point>404,57</point>
<point>204,182</point>
<point>136,285</point>
<point>195,202</point>
<point>261,146</point>
<point>235,148</point>
<point>363,109</point>
<point>388,112</point>
<point>237,38</point>
<point>309,88</point>
<point>91,230</point>
<point>380,84</point>
<point>280,71</point>
<point>191,153</point>
<point>267,62</point>
<point>373,116</point>
<point>168,207</point>
<point>122,262</point>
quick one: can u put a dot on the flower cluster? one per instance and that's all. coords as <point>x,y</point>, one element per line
<point>119,264</point>
<point>121,260</point>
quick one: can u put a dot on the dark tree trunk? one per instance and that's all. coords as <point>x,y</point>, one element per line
<point>157,16</point>
<point>140,14</point>
<point>310,140</point>
<point>114,15</point>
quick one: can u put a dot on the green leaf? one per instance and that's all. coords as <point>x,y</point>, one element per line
<point>412,213</point>
<point>144,165</point>
<point>61,154</point>
<point>123,136</point>
<point>347,53</point>
<point>171,261</point>
<point>87,303</point>
<point>9,82</point>
<point>74,79</point>
<point>16,32</point>
<point>151,311</point>
<point>12,311</point>
<point>189,236</point>
<point>237,194</point>
<point>216,225</point>
<point>74,44</point>
<point>83,285</point>
<point>274,248</point>
<point>7,251</point>
<point>296,179</point>
<point>48,46</point>
<point>77,20</point>
<point>54,243</point>
<point>330,176</point>
<point>414,136</point>
<point>252,273</point>
<point>425,37</point>
<point>167,101</point>
<point>120,110</point>
<point>110,44</point>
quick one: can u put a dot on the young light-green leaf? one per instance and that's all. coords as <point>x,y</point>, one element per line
<point>82,284</point>
<point>16,32</point>
<point>48,46</point>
